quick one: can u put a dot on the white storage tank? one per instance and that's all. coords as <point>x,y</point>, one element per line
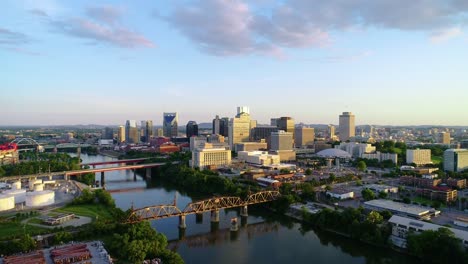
<point>7,202</point>
<point>41,198</point>
<point>32,182</point>
<point>16,185</point>
<point>38,187</point>
<point>19,195</point>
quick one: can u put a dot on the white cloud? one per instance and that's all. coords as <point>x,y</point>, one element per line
<point>444,35</point>
<point>232,27</point>
<point>102,26</point>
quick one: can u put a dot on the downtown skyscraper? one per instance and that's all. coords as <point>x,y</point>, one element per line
<point>346,127</point>
<point>131,132</point>
<point>170,124</point>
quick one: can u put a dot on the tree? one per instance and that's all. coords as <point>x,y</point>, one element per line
<point>367,194</point>
<point>436,246</point>
<point>361,165</point>
<point>383,195</point>
<point>332,177</point>
<point>374,217</point>
<point>25,243</point>
<point>62,237</point>
<point>308,171</point>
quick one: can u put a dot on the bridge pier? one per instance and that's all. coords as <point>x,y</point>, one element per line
<point>182,224</point>
<point>181,233</point>
<point>215,216</point>
<point>102,179</point>
<point>234,225</point>
<point>243,221</point>
<point>148,173</point>
<point>244,212</point>
<point>199,218</point>
<point>214,227</point>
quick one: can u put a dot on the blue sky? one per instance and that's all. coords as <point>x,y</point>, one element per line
<point>80,62</point>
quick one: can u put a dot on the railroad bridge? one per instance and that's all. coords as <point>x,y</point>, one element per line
<point>212,205</point>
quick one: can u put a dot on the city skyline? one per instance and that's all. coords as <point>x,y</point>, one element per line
<point>388,62</point>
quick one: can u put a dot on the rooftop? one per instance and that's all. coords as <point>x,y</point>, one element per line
<point>332,153</point>
<point>400,207</point>
<point>426,226</point>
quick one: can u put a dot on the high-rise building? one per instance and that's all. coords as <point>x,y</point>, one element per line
<point>281,140</point>
<point>159,132</point>
<point>243,109</point>
<point>263,132</point>
<point>347,128</point>
<point>286,124</point>
<point>146,130</point>
<point>107,133</point>
<point>224,127</point>
<point>444,138</point>
<point>216,126</point>
<point>192,129</point>
<point>456,160</point>
<point>274,122</point>
<point>121,134</point>
<point>239,129</point>
<point>305,136</point>
<point>331,131</point>
<point>131,132</point>
<point>170,124</point>
<point>282,145</point>
<point>418,156</point>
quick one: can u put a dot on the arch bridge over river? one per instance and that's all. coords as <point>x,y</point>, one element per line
<point>212,205</point>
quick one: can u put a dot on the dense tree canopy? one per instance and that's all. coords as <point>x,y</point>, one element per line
<point>439,246</point>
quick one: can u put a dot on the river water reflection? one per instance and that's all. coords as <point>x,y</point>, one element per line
<point>264,238</point>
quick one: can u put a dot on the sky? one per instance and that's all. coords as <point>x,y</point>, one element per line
<point>390,62</point>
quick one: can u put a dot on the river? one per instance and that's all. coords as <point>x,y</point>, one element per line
<point>265,238</point>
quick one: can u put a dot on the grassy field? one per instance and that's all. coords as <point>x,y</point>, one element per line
<point>35,220</point>
<point>11,229</point>
<point>90,210</point>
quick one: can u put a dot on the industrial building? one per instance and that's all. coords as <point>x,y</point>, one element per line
<point>407,210</point>
<point>341,194</point>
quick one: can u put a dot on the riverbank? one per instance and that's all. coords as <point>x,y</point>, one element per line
<point>110,153</point>
<point>297,216</point>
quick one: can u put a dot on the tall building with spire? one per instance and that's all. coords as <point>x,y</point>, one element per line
<point>347,127</point>
<point>170,124</point>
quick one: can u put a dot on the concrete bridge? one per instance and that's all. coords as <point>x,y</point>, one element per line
<point>67,174</point>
